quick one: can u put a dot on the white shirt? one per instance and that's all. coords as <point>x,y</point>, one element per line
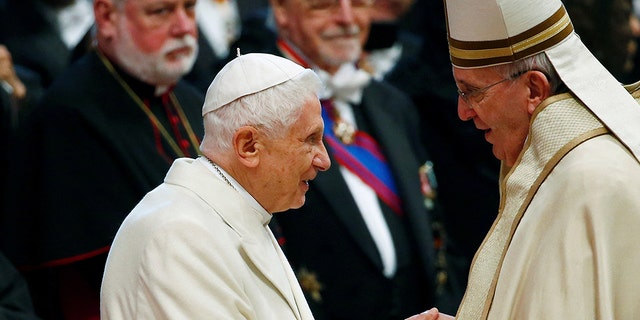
<point>74,21</point>
<point>219,21</point>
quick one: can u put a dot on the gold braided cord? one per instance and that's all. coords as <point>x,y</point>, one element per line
<point>187,125</point>
<point>183,119</point>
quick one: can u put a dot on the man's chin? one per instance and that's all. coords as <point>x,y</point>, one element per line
<point>338,60</point>
<point>300,203</point>
<point>175,70</point>
<point>181,62</point>
<point>168,78</point>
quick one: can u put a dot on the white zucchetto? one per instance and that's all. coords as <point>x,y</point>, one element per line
<point>248,74</point>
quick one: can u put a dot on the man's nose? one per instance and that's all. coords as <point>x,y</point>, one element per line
<point>322,161</point>
<point>345,11</point>
<point>465,113</point>
<point>184,22</point>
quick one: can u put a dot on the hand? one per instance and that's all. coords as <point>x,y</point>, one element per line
<point>634,24</point>
<point>8,74</point>
<point>431,314</point>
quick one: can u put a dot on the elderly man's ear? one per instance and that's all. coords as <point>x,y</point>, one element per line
<point>104,12</point>
<point>539,89</point>
<point>247,144</point>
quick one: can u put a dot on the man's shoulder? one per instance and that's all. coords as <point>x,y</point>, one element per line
<point>604,152</point>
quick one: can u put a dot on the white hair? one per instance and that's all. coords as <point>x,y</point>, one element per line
<point>539,62</point>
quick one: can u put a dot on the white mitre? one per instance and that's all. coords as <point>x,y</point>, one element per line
<point>492,32</point>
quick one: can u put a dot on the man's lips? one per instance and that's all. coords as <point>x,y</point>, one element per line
<point>179,52</point>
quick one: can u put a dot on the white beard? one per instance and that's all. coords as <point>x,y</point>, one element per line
<point>154,68</point>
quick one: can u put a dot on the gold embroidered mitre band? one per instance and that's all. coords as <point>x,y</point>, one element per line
<point>538,38</point>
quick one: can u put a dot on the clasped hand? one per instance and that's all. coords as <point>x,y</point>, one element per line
<point>431,314</point>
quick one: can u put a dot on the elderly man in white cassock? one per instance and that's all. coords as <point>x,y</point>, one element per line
<point>199,245</point>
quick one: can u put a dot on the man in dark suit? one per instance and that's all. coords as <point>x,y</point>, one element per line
<point>104,134</point>
<point>363,244</point>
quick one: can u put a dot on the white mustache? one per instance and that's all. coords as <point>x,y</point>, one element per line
<point>347,31</point>
<point>174,44</point>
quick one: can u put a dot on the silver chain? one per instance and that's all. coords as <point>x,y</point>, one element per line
<point>215,166</point>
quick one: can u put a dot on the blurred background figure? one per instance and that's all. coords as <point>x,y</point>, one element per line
<point>634,23</point>
<point>219,21</point>
<point>103,135</point>
<point>12,91</point>
<point>604,27</point>
<point>390,39</point>
<point>45,36</point>
<point>218,26</point>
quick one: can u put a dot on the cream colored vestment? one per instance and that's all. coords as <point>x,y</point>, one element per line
<point>566,243</point>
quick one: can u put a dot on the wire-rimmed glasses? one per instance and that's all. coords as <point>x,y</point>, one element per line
<point>471,98</point>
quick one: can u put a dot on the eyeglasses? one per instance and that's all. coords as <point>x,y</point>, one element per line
<point>330,4</point>
<point>471,98</point>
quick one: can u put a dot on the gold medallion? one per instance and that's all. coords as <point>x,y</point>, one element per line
<point>344,131</point>
<point>310,285</point>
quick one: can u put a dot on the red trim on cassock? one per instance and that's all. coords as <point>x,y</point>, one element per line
<point>65,261</point>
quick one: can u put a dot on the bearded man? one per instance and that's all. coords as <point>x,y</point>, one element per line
<point>104,135</point>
